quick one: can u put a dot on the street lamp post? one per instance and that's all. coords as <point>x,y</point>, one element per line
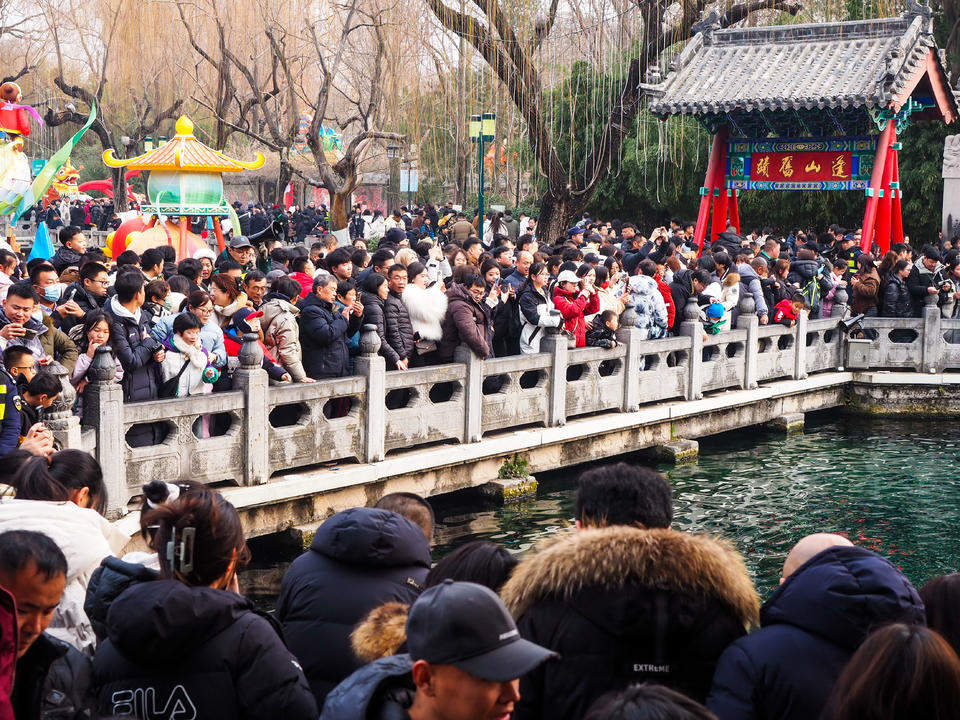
<point>482,129</point>
<point>393,155</point>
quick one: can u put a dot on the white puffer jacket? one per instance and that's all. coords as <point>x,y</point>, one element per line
<point>85,537</point>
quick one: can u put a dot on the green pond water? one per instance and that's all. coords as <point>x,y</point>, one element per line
<point>888,485</point>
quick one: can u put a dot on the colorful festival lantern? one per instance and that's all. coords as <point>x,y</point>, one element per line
<point>186,179</point>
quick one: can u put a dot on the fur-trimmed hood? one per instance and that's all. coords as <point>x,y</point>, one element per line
<point>381,633</point>
<point>615,556</point>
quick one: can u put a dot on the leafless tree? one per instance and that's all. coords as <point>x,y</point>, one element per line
<point>488,28</point>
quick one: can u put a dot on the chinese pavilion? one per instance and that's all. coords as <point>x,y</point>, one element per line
<point>808,107</point>
<point>185,179</point>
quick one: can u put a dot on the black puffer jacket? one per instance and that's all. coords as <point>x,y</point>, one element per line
<point>812,624</point>
<point>398,325</point>
<point>52,682</point>
<point>623,605</point>
<point>373,314</point>
<point>323,338</point>
<point>108,582</point>
<point>64,257</point>
<point>134,348</point>
<point>86,300</point>
<point>359,559</point>
<point>201,649</point>
<point>897,300</point>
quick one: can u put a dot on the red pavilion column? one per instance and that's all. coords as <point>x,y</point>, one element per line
<point>717,156</point>
<point>885,204</point>
<point>897,194</point>
<point>876,180</point>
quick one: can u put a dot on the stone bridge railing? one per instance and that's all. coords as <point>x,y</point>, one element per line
<point>258,430</point>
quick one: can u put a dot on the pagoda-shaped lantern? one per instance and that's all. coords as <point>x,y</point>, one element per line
<point>186,179</point>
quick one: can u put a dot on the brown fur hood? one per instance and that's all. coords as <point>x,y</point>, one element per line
<point>614,556</point>
<point>381,633</point>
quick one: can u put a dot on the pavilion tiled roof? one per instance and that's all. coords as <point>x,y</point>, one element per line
<point>183,152</point>
<point>798,67</point>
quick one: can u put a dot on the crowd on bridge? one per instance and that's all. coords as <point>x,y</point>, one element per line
<point>434,281</point>
<point>618,617</point>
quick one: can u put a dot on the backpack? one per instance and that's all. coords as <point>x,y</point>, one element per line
<point>811,292</point>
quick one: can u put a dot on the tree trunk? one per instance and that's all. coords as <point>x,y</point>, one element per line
<point>119,177</point>
<point>556,215</point>
<point>339,203</point>
<point>283,179</point>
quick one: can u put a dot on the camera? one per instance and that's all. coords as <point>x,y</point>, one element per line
<point>852,327</point>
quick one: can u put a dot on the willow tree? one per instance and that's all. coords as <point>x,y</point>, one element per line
<point>511,45</point>
<point>93,49</point>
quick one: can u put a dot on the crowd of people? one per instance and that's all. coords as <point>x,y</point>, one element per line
<point>495,288</point>
<point>621,617</point>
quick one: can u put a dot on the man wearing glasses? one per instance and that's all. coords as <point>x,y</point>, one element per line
<point>88,293</point>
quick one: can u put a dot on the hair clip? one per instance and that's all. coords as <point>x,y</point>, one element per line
<point>180,556</point>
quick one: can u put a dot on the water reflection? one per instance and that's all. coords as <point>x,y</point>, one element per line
<point>888,485</point>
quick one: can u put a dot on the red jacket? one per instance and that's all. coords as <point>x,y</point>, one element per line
<point>783,313</point>
<point>667,299</point>
<point>573,306</point>
<point>8,651</point>
<point>306,283</point>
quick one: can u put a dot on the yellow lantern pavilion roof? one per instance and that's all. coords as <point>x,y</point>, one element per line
<point>183,152</point>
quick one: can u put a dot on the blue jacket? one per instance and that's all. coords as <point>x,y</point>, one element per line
<point>324,338</point>
<point>9,414</point>
<point>359,559</point>
<point>211,337</point>
<point>382,690</point>
<point>810,627</point>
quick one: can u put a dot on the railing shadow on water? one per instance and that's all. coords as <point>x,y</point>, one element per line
<point>261,430</point>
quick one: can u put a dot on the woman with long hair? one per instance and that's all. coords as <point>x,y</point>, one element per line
<point>88,335</point>
<point>64,498</point>
<point>900,672</point>
<point>227,298</point>
<point>190,638</point>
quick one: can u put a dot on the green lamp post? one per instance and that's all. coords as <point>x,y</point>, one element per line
<point>482,129</point>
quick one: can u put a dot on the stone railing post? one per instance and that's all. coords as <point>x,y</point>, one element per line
<point>59,416</point>
<point>629,336</point>
<point>103,411</point>
<point>749,321</point>
<point>693,329</point>
<point>253,380</point>
<point>800,346</point>
<point>840,309</point>
<point>371,366</point>
<point>932,340</point>
<point>472,393</point>
<point>554,343</point>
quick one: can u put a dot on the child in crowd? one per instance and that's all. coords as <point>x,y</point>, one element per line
<point>186,360</point>
<point>604,332</point>
<point>787,311</point>
<point>37,396</point>
<point>93,332</point>
<point>157,292</point>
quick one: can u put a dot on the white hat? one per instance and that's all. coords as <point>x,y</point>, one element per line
<point>568,276</point>
<point>205,252</point>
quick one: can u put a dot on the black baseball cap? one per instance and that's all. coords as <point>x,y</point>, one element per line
<point>466,625</point>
